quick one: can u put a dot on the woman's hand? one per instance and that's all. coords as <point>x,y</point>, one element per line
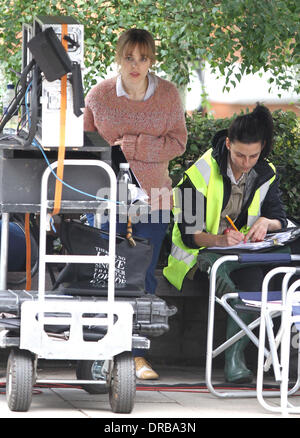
<point>118,142</point>
<point>230,238</point>
<point>128,145</point>
<point>258,230</point>
<point>126,141</point>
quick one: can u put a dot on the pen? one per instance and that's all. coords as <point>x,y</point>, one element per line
<point>231,223</point>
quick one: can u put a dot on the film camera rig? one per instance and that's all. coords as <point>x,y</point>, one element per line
<point>44,61</point>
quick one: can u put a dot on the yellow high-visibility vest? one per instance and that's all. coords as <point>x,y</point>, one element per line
<point>206,178</point>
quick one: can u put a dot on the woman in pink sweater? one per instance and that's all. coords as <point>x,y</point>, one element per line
<point>143,114</point>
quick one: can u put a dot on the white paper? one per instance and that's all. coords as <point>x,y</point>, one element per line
<point>137,195</point>
<point>272,239</point>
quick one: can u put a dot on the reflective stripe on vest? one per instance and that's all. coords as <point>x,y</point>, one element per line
<point>254,210</point>
<point>177,203</point>
<point>180,261</point>
<point>204,169</point>
<point>182,255</point>
<point>206,178</point>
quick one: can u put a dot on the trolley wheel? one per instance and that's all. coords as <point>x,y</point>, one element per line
<point>91,370</point>
<point>123,383</point>
<point>19,380</point>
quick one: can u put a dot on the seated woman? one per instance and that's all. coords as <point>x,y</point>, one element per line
<point>233,178</point>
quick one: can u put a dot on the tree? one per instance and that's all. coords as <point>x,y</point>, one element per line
<point>260,34</point>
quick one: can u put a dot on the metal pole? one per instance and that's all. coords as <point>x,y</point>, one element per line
<point>4,251</point>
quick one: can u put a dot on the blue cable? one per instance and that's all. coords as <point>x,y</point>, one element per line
<point>35,143</point>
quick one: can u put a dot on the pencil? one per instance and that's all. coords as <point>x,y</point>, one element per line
<point>231,223</point>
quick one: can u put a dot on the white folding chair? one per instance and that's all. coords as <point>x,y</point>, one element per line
<point>289,308</point>
<point>246,330</point>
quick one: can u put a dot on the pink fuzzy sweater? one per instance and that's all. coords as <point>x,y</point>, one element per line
<point>153,131</point>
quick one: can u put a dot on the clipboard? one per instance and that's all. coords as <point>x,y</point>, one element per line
<point>272,241</point>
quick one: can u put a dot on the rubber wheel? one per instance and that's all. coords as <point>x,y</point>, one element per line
<point>19,380</point>
<point>123,383</point>
<point>91,370</point>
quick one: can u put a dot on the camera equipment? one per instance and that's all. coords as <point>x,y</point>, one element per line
<point>45,61</point>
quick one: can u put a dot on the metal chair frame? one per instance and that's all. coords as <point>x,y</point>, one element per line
<point>246,330</point>
<point>280,361</point>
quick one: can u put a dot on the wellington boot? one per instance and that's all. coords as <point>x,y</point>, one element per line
<point>236,370</point>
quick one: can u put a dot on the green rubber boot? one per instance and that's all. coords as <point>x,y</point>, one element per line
<point>236,370</point>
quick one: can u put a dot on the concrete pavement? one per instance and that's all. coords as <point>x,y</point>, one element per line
<point>152,405</point>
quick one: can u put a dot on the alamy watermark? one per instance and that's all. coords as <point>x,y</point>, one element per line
<point>188,207</point>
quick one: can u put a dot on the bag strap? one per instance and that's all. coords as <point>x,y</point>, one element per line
<point>129,232</point>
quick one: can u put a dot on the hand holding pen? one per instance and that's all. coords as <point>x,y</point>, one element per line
<point>231,235</point>
<point>231,223</point>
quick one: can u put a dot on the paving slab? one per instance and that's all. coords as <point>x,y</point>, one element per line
<point>179,394</point>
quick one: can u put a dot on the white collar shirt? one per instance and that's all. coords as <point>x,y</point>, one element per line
<point>152,84</point>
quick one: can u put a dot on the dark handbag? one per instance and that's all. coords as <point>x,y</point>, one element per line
<point>131,265</point>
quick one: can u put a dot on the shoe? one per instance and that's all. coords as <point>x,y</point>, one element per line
<point>236,370</point>
<point>144,370</point>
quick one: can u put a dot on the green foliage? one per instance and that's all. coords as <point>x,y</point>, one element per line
<point>188,33</point>
<point>201,130</point>
<point>285,155</point>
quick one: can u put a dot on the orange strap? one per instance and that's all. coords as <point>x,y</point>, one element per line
<point>62,137</point>
<point>129,233</point>
<point>28,252</point>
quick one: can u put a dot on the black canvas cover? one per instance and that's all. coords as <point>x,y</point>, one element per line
<point>50,54</point>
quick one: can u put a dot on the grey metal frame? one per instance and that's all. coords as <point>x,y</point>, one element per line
<point>280,362</point>
<point>36,314</point>
<point>246,330</point>
<point>119,335</point>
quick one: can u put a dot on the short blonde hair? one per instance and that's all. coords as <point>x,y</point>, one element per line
<point>132,37</point>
